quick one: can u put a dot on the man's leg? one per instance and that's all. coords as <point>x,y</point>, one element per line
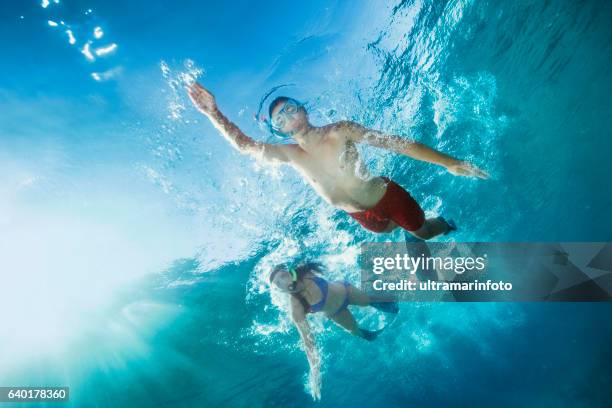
<point>431,228</point>
<point>391,226</point>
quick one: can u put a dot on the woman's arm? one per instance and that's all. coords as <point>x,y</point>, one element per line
<point>312,354</point>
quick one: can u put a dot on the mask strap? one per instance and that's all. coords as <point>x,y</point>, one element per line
<point>258,115</point>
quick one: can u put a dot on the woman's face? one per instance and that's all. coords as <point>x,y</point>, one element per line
<point>283,282</point>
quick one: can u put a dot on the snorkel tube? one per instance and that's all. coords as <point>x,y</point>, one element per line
<point>294,279</point>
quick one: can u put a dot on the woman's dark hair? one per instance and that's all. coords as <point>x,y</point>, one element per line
<point>301,269</point>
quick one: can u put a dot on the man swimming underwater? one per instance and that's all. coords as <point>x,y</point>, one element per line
<point>328,159</point>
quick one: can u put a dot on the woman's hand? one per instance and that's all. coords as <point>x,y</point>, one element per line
<point>202,99</point>
<point>314,382</point>
<point>463,168</point>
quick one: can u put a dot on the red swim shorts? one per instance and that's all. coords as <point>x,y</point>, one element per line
<point>396,205</point>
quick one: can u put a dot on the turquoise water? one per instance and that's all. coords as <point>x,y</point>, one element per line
<point>520,88</point>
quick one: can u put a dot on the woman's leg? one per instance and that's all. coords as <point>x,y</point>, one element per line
<point>346,320</point>
<point>359,298</point>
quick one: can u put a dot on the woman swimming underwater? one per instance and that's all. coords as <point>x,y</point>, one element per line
<point>310,293</point>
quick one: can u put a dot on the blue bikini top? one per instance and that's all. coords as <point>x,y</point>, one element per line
<point>323,287</point>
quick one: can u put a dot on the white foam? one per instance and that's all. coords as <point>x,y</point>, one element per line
<point>106,75</point>
<point>103,51</point>
<point>177,81</point>
<point>71,38</point>
<point>87,52</point>
<point>165,69</point>
<point>98,33</point>
<point>52,23</point>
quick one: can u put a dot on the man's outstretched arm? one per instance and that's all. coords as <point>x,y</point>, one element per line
<point>412,149</point>
<point>206,103</point>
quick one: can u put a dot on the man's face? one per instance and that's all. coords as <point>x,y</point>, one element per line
<point>288,117</point>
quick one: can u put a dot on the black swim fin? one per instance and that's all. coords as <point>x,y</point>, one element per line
<point>370,335</point>
<point>387,307</point>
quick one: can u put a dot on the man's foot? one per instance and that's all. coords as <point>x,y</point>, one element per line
<point>408,237</point>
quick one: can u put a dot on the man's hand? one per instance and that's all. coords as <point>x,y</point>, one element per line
<point>463,168</point>
<point>205,102</point>
<point>202,99</point>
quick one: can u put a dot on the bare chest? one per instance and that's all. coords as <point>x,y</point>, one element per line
<point>331,159</point>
